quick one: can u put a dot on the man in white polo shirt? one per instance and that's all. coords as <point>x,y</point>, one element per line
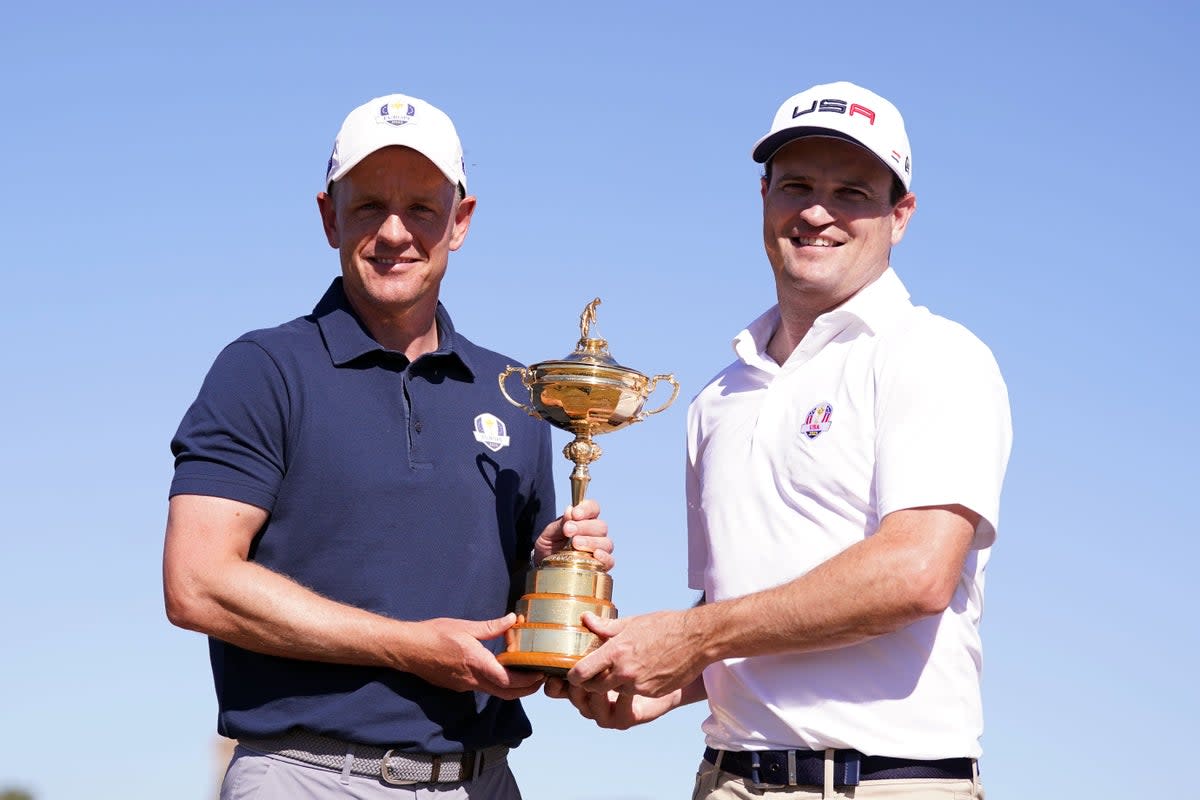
<point>843,486</point>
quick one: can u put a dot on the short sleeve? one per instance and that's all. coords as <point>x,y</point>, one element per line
<point>697,564</point>
<point>232,442</point>
<point>944,429</point>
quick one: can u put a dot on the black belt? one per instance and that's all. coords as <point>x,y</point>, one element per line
<point>807,767</point>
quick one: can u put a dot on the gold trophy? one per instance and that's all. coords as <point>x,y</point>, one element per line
<point>587,393</point>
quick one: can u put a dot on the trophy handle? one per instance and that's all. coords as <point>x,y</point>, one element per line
<point>524,376</point>
<point>650,390</point>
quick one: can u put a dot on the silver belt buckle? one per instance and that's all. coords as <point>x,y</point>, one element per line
<point>388,779</point>
<point>756,780</point>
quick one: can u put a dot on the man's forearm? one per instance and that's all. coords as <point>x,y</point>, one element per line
<point>906,572</point>
<point>265,612</point>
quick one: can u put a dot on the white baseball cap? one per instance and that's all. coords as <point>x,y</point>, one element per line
<point>842,111</point>
<point>398,119</point>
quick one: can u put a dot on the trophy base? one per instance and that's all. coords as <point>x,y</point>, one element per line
<point>551,648</point>
<point>548,635</point>
<point>554,664</point>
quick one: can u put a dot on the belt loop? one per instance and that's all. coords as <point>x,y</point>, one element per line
<point>435,766</point>
<point>850,773</point>
<point>827,786</point>
<point>976,788</point>
<point>349,764</point>
<point>791,767</point>
<point>720,756</point>
<point>755,763</point>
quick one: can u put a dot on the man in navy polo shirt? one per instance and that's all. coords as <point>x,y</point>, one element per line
<point>354,505</point>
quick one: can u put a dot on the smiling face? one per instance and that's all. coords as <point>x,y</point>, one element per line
<point>828,221</point>
<point>394,219</point>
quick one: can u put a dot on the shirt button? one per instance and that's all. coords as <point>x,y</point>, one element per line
<point>418,427</point>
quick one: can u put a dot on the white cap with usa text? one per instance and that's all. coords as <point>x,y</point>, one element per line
<point>398,119</point>
<point>842,110</point>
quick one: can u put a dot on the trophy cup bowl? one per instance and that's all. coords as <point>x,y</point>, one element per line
<point>588,394</point>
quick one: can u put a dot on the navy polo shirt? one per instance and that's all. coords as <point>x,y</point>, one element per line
<point>413,490</point>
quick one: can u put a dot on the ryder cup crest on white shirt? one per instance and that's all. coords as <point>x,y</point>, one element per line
<point>818,420</point>
<point>398,119</point>
<point>491,432</point>
<point>842,110</point>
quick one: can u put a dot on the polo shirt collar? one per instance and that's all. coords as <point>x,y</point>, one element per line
<point>347,339</point>
<point>874,307</point>
<point>877,304</point>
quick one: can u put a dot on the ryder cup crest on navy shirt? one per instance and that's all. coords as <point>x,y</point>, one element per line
<point>491,432</point>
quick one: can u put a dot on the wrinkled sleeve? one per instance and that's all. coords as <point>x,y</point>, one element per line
<point>944,430</point>
<point>232,440</point>
<point>697,533</point>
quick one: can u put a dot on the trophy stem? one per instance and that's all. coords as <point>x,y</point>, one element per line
<point>582,451</point>
<point>549,635</point>
<point>579,484</point>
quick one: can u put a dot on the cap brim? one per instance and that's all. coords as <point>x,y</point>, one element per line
<point>344,169</point>
<point>770,145</point>
<point>766,149</point>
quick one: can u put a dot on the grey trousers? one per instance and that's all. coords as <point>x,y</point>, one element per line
<point>255,776</point>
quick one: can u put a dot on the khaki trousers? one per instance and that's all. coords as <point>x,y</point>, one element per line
<point>715,784</point>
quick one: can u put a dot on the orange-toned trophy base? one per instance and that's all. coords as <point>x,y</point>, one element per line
<point>548,635</point>
<point>550,663</point>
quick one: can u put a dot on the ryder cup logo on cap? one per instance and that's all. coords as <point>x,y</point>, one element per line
<point>842,111</point>
<point>398,120</point>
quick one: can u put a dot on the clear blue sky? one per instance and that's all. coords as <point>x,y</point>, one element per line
<point>161,162</point>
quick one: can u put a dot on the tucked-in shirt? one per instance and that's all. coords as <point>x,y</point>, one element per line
<point>882,406</point>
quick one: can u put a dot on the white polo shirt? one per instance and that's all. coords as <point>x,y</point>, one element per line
<point>882,406</point>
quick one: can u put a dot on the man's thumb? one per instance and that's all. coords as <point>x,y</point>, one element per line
<point>604,628</point>
<point>491,628</point>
